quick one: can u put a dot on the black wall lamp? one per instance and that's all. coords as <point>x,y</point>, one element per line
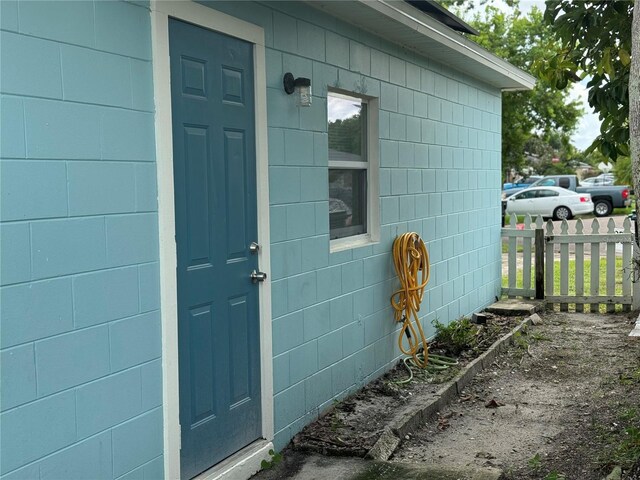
<point>301,86</point>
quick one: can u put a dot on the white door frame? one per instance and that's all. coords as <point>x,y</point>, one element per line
<point>247,459</point>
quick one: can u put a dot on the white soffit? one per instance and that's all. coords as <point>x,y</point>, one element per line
<point>400,23</point>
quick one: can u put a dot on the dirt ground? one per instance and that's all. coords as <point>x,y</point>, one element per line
<point>353,425</point>
<point>566,405</point>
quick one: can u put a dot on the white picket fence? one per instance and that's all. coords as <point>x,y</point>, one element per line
<point>565,252</point>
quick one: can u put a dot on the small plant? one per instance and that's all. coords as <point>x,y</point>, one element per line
<point>276,458</point>
<point>535,463</point>
<point>555,476</point>
<point>457,336</point>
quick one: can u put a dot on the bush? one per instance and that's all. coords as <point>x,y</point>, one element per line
<point>457,336</point>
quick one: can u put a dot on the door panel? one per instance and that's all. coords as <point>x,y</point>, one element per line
<point>216,220</point>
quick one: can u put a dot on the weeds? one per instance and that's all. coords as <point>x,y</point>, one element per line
<point>457,336</point>
<point>535,463</point>
<point>276,458</point>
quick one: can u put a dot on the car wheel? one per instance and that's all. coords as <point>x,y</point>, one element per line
<point>562,213</point>
<point>602,208</point>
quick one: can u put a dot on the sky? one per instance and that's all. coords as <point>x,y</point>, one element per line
<point>589,125</point>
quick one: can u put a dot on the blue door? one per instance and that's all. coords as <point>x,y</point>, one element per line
<point>216,221</point>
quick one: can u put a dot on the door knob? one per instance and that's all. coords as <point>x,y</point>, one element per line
<point>258,276</point>
<point>254,247</point>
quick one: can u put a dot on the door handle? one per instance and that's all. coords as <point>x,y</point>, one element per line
<point>258,276</point>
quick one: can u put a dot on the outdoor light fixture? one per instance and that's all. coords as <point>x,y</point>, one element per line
<point>301,86</point>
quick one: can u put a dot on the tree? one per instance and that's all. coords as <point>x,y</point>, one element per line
<point>542,111</point>
<point>595,39</point>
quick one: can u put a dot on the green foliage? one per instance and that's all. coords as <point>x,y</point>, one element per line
<point>595,39</point>
<point>520,39</point>
<point>535,463</point>
<point>457,336</point>
<point>345,135</point>
<point>276,458</point>
<point>622,171</point>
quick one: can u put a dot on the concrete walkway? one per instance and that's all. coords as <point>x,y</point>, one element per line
<point>297,466</point>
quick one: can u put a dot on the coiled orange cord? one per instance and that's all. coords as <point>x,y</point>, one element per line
<point>410,257</point>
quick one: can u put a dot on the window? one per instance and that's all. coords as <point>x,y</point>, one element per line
<point>547,193</point>
<point>353,186</point>
<point>526,195</point>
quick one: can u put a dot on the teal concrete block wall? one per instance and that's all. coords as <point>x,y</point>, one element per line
<point>333,327</point>
<point>81,380</point>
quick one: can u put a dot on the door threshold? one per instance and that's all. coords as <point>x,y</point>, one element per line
<point>241,465</point>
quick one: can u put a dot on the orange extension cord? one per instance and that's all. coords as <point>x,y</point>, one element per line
<point>410,257</point>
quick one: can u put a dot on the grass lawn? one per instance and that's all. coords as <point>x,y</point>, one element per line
<point>620,273</point>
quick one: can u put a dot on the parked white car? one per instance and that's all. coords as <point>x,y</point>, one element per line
<point>550,202</point>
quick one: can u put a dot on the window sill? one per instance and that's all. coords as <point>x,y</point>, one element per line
<point>349,243</point>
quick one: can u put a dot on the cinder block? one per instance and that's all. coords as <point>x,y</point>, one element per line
<point>36,310</point>
<point>298,147</point>
<point>22,436</point>
<point>389,97</point>
<point>302,290</point>
<point>154,469</point>
<point>405,101</point>
<point>17,376</point>
<point>288,406</point>
<point>151,378</point>
<point>101,187</point>
<point>72,359</point>
<point>9,15</point>
<point>337,50</point>
<point>132,239</point>
<point>133,25</point>
<point>11,124</point>
<point>343,375</point>
<point>397,71</point>
<point>69,22</point>
<point>317,389</point>
<point>127,135</point>
<point>301,221</point>
<point>311,41</point>
<point>329,349</point>
<point>281,377</point>
<point>149,278</point>
<point>287,332</point>
<point>389,210</point>
<point>68,246</point>
<point>352,338</point>
<point>15,256</point>
<point>142,85</point>
<point>33,190</point>
<point>286,259</point>
<point>35,66</point>
<point>146,188</point>
<point>285,33</point>
<point>107,402</point>
<point>89,459</point>
<point>137,441</point>
<point>284,184</point>
<point>90,76</point>
<point>135,340</point>
<point>359,58</point>
<point>303,361</point>
<point>329,282</point>
<point>316,253</point>
<point>352,276</point>
<point>94,295</point>
<point>61,130</point>
<point>379,65</point>
<point>413,76</point>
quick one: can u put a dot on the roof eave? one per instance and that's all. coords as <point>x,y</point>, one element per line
<point>400,23</point>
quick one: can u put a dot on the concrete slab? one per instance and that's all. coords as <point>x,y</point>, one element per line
<point>515,307</point>
<point>317,467</point>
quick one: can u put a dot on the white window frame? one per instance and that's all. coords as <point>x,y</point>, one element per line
<point>372,165</point>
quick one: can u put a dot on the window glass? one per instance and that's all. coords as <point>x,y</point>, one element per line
<point>348,165</point>
<point>547,193</point>
<point>549,182</point>
<point>526,195</point>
